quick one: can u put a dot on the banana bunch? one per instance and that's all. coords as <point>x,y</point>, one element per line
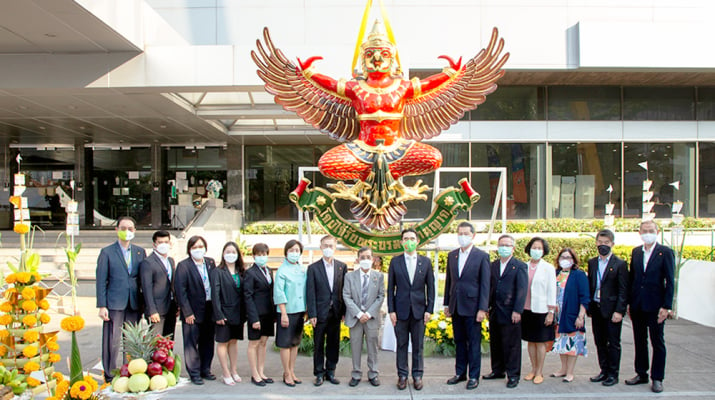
<point>13,380</point>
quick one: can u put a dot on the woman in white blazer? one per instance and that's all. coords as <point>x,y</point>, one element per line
<point>538,318</point>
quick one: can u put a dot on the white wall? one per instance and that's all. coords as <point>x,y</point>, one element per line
<point>696,292</point>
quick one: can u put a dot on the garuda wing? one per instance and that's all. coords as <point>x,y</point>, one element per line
<point>427,115</point>
<point>325,110</point>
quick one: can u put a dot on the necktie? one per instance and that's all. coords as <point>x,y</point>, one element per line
<point>167,265</point>
<point>364,291</point>
<point>267,274</point>
<point>128,260</point>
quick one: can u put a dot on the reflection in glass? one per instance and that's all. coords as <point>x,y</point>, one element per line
<point>511,103</point>
<point>571,103</point>
<point>658,103</point>
<point>707,179</point>
<point>116,193</point>
<point>706,104</point>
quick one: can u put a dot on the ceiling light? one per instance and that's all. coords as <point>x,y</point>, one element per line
<point>22,107</point>
<point>50,35</point>
<point>82,127</point>
<point>162,126</point>
<point>42,128</point>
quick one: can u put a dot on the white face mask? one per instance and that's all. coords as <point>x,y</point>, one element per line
<point>365,265</point>
<point>328,252</point>
<point>198,254</point>
<point>163,248</point>
<point>536,254</point>
<point>565,264</point>
<point>649,238</point>
<point>464,240</point>
<point>230,257</point>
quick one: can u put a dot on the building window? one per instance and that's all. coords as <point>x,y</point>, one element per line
<point>511,103</point>
<point>706,103</point>
<point>576,103</point>
<point>658,103</point>
<point>122,185</point>
<point>581,173</point>
<point>707,179</point>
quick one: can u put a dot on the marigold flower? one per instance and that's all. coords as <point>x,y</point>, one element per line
<point>24,277</point>
<point>5,319</point>
<point>10,279</point>
<point>81,389</point>
<point>9,292</point>
<point>28,293</point>
<point>3,350</point>
<point>37,276</point>
<point>92,383</point>
<point>29,351</point>
<point>31,336</point>
<point>6,307</point>
<point>44,304</point>
<point>53,358</point>
<point>29,320</point>
<point>72,324</point>
<point>58,376</point>
<point>62,388</point>
<point>29,305</point>
<point>52,345</point>
<point>45,318</point>
<point>4,334</point>
<point>32,382</point>
<point>31,366</point>
<point>21,228</point>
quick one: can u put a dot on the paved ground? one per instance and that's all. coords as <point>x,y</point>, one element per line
<point>691,363</point>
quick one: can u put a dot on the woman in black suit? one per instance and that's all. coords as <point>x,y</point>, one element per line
<point>260,312</point>
<point>192,285</point>
<point>227,299</point>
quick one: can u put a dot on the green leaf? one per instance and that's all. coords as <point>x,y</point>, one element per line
<point>12,267</point>
<point>75,361</point>
<point>177,367</point>
<point>33,261</point>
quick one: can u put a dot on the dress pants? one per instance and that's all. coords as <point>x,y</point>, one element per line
<point>468,339</point>
<point>326,345</point>
<point>607,337</point>
<point>199,344</point>
<point>357,333</point>
<point>410,329</point>
<point>505,346</point>
<point>645,322</point>
<point>167,324</point>
<point>111,338</point>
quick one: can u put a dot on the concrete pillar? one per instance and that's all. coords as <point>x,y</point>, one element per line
<point>234,178</point>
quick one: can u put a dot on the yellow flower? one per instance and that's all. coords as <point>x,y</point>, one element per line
<point>11,291</point>
<point>52,398</point>
<point>5,319</point>
<point>10,279</point>
<point>92,383</point>
<point>24,277</point>
<point>21,228</point>
<point>58,376</point>
<point>61,390</point>
<point>54,357</point>
<point>6,307</point>
<point>28,293</point>
<point>29,320</point>
<point>81,389</point>
<point>44,304</point>
<point>29,351</point>
<point>31,367</point>
<point>29,305</point>
<point>37,276</point>
<point>4,334</point>
<point>44,318</point>
<point>3,350</point>
<point>32,382</point>
<point>72,324</point>
<point>31,336</point>
<point>52,345</point>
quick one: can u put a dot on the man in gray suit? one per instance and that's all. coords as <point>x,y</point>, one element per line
<point>363,294</point>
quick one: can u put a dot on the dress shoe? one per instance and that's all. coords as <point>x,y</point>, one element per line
<point>402,383</point>
<point>472,383</point>
<point>332,379</point>
<point>456,379</point>
<point>209,376</point>
<point>289,384</point>
<point>598,378</point>
<point>417,382</point>
<point>197,380</point>
<point>318,380</point>
<point>258,383</point>
<point>353,382</point>
<point>297,381</point>
<point>657,386</point>
<point>637,380</point>
<point>268,380</point>
<point>492,375</point>
<point>512,383</point>
<point>610,381</point>
<point>375,381</point>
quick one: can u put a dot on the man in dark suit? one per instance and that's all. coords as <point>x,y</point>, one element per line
<point>466,300</point>
<point>509,281</point>
<point>117,284</point>
<point>324,300</point>
<point>156,276</point>
<point>608,282</point>
<point>651,300</point>
<point>410,302</point>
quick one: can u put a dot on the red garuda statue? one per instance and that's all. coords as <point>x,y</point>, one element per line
<point>381,117</point>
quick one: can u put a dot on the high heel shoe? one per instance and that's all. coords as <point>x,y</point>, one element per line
<point>228,381</point>
<point>236,378</point>
<point>258,383</point>
<point>290,384</point>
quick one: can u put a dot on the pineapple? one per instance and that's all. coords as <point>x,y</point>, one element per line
<point>138,341</point>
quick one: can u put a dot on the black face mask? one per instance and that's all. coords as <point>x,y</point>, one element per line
<point>604,249</point>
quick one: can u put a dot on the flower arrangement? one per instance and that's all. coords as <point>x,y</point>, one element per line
<point>306,342</point>
<point>213,187</point>
<point>440,335</point>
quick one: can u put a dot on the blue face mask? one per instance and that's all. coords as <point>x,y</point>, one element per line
<point>260,260</point>
<point>293,257</point>
<point>504,251</point>
<point>536,254</point>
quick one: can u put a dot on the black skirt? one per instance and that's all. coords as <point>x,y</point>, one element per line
<point>533,329</point>
<point>268,324</point>
<point>290,336</point>
<point>224,333</point>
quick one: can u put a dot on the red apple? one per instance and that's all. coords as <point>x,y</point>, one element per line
<point>124,371</point>
<point>169,363</point>
<point>159,356</point>
<point>154,369</point>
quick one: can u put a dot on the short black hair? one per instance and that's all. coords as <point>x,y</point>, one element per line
<point>192,241</point>
<point>543,241</point>
<point>608,234</point>
<point>128,218</point>
<point>407,230</point>
<point>466,224</point>
<point>160,234</point>
<point>260,248</point>
<point>290,244</point>
<point>363,249</point>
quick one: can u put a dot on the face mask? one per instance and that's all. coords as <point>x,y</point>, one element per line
<point>125,235</point>
<point>293,257</point>
<point>409,246</point>
<point>464,240</point>
<point>604,249</point>
<point>649,238</point>
<point>198,254</point>
<point>328,252</point>
<point>504,251</point>
<point>536,254</point>
<point>565,264</point>
<point>230,257</point>
<point>260,260</point>
<point>365,265</point>
<point>163,248</point>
